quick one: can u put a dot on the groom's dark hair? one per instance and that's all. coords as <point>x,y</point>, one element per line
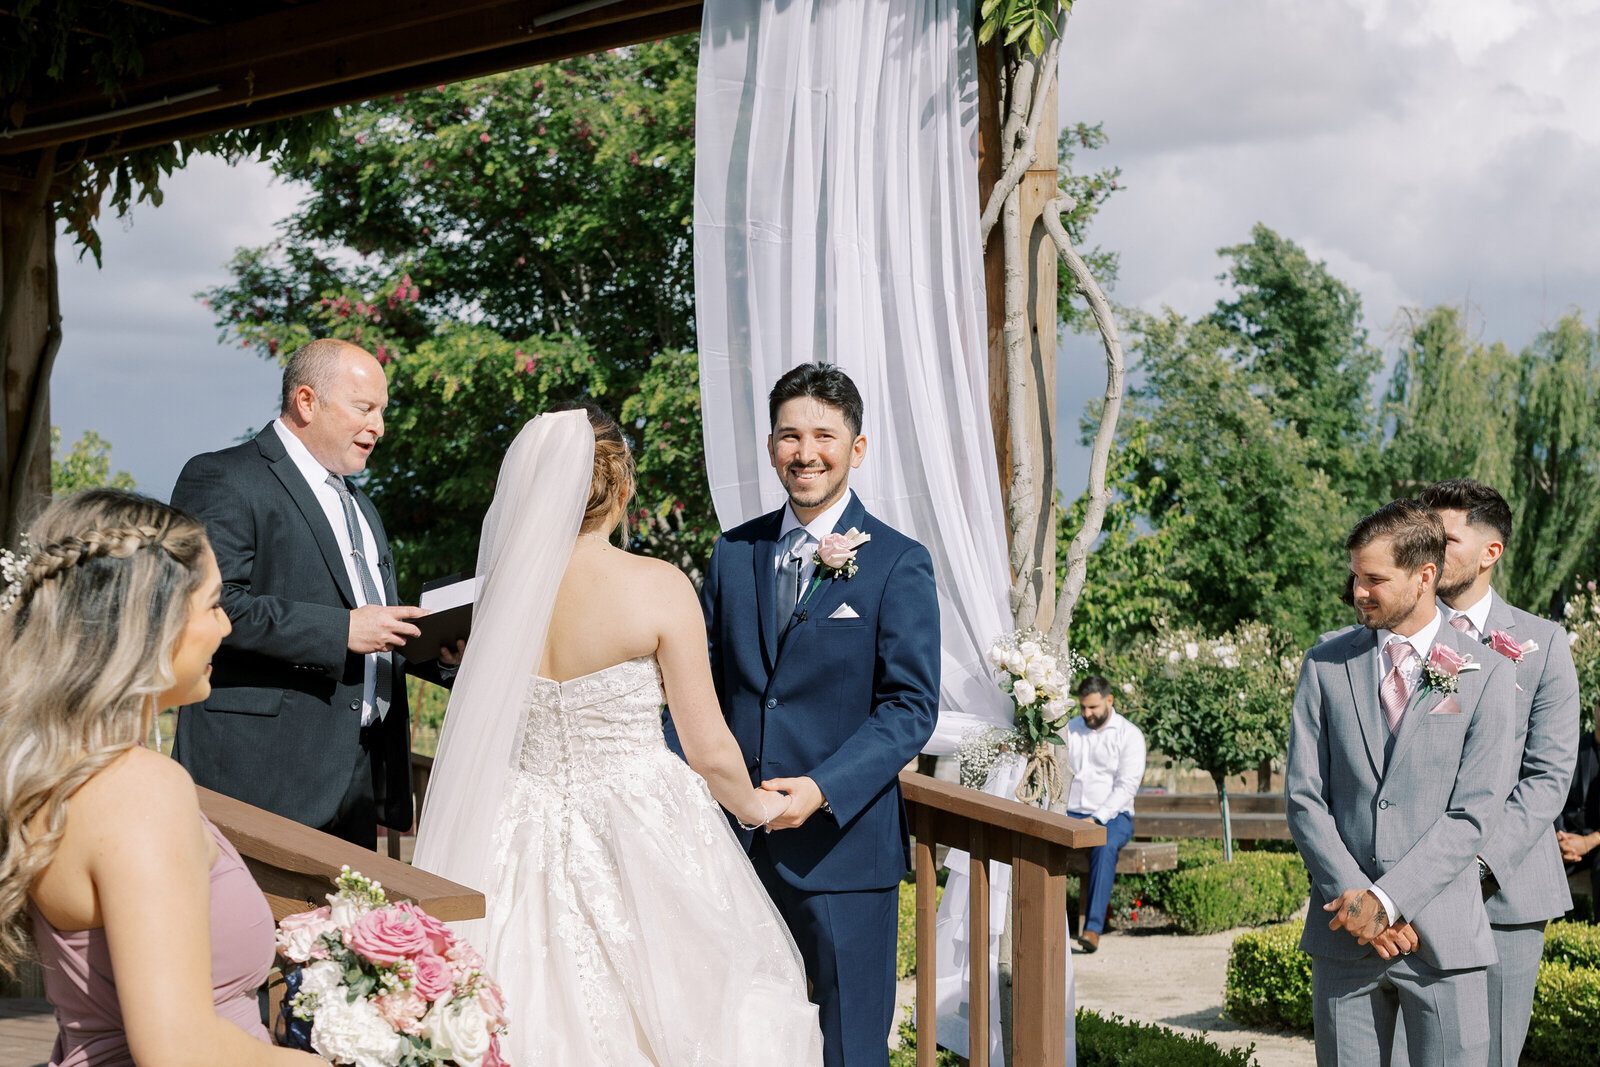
<point>820,381</point>
<point>1417,536</point>
<point>1483,505</point>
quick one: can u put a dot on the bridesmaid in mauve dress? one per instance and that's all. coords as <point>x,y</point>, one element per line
<point>153,936</point>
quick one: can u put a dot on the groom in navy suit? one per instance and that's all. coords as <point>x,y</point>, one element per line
<point>829,678</point>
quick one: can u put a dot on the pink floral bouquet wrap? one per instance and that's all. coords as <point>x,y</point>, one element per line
<point>374,984</point>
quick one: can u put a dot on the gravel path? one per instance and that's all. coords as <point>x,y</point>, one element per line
<point>1177,981</point>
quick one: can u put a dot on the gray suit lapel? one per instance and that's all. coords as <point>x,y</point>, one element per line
<point>1362,667</point>
<point>1500,617</point>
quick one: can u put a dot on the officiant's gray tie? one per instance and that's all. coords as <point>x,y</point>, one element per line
<point>788,592</point>
<point>369,590</point>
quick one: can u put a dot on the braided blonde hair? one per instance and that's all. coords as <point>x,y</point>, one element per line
<point>87,648</point>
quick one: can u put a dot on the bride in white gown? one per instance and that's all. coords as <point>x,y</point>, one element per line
<point>625,925</point>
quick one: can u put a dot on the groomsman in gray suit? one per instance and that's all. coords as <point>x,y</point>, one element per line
<point>1398,768</point>
<point>1525,884</point>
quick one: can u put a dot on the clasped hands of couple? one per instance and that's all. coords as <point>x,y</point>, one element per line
<point>1360,914</point>
<point>801,799</point>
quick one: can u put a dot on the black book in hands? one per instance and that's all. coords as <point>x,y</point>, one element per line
<point>449,602</point>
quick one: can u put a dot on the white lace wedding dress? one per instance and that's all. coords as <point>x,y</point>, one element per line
<point>626,925</point>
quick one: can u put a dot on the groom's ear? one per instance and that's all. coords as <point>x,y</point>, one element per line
<point>770,457</point>
<point>858,451</point>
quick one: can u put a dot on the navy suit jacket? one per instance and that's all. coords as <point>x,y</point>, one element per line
<point>281,728</point>
<point>847,701</point>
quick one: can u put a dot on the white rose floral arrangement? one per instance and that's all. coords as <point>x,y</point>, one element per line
<point>1037,676</point>
<point>374,984</point>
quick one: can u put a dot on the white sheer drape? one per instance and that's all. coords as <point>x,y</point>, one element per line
<point>836,219</point>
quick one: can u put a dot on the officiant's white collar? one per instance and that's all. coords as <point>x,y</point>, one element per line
<point>823,524</point>
<point>315,474</point>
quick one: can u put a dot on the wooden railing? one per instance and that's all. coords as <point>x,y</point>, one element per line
<point>296,866</point>
<point>1252,816</point>
<point>1037,844</point>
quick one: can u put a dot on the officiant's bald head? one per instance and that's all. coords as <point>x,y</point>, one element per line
<point>334,395</point>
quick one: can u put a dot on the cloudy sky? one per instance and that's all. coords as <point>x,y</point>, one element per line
<point>1430,151</point>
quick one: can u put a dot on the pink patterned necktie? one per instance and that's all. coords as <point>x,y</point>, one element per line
<point>1394,691</point>
<point>1464,624</point>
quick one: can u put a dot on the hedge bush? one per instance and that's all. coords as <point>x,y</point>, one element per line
<point>1269,979</point>
<point>1565,1027</point>
<point>1577,944</point>
<point>1269,984</point>
<point>1112,1041</point>
<point>1256,888</point>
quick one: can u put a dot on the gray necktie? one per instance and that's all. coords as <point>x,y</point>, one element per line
<point>369,590</point>
<point>788,590</point>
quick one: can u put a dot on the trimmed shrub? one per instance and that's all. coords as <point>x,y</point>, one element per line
<point>1112,1041</point>
<point>1577,944</point>
<point>1269,979</point>
<point>1256,888</point>
<point>1565,1027</point>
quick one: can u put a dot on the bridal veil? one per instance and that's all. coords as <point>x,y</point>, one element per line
<point>523,552</point>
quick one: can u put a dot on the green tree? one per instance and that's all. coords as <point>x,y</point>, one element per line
<point>1090,190</point>
<point>1446,383</point>
<point>1556,473</point>
<point>543,208</point>
<point>86,465</point>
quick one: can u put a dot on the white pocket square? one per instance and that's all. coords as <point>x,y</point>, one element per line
<point>844,611</point>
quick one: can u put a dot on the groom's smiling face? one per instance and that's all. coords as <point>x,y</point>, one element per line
<point>813,451</point>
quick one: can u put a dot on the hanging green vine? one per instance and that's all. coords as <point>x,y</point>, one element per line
<point>1032,22</point>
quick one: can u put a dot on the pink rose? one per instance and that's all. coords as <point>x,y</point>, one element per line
<point>493,1058</point>
<point>1506,645</point>
<point>464,956</point>
<point>431,976</point>
<point>403,1010</point>
<point>492,1003</point>
<point>836,549</point>
<point>1445,660</point>
<point>298,933</point>
<point>388,935</point>
<point>439,936</point>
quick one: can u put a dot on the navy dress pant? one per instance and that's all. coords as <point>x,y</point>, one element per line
<point>1103,867</point>
<point>847,941</point>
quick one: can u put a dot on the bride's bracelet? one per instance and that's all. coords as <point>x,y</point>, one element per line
<point>765,824</point>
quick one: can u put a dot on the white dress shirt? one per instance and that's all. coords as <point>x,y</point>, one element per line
<point>316,476</point>
<point>1107,766</point>
<point>1477,614</point>
<point>1422,642</point>
<point>816,530</point>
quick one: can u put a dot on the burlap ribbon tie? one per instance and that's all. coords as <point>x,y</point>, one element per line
<point>1041,779</point>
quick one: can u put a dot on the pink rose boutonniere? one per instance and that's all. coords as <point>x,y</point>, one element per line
<point>1441,673</point>
<point>1508,646</point>
<point>837,552</point>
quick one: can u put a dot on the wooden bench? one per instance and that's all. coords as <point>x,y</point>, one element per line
<point>1253,816</point>
<point>1136,857</point>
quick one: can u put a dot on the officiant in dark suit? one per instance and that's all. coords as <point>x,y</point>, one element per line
<point>307,715</point>
<point>825,657</point>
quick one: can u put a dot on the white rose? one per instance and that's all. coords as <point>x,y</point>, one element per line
<point>1191,650</point>
<point>1016,662</point>
<point>355,1033</point>
<point>1054,709</point>
<point>1036,672</point>
<point>1049,661</point>
<point>341,912</point>
<point>458,1028</point>
<point>1057,681</point>
<point>1174,656</point>
<point>1024,692</point>
<point>1570,610</point>
<point>997,656</point>
<point>322,978</point>
<point>1127,687</point>
<point>1030,649</point>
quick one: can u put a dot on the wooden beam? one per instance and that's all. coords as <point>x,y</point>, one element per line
<point>968,804</point>
<point>927,910</point>
<point>296,51</point>
<point>1039,944</point>
<point>296,866</point>
<point>480,64</point>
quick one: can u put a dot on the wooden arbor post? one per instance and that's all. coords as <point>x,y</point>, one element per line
<point>1038,435</point>
<point>30,333</point>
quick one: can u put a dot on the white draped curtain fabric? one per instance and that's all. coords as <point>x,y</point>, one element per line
<point>836,219</point>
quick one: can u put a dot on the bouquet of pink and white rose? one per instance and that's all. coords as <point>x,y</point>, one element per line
<point>386,985</point>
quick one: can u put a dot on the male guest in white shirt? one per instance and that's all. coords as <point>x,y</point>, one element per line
<point>1106,753</point>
